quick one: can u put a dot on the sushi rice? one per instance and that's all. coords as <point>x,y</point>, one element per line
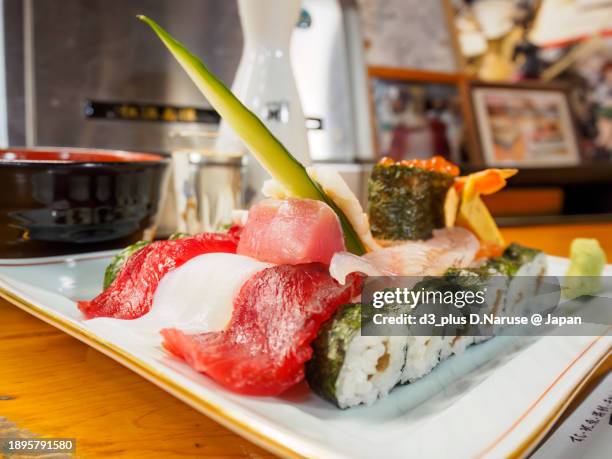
<point>423,355</point>
<point>524,285</point>
<point>374,366</point>
<point>349,369</point>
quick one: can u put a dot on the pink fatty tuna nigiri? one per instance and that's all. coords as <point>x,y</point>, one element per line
<point>291,231</point>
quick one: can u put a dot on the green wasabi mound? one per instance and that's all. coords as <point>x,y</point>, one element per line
<point>587,262</point>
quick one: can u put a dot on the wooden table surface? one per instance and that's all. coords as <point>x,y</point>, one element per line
<point>54,386</point>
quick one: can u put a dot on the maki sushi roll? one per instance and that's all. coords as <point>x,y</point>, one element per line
<point>406,199</point>
<point>481,277</point>
<point>524,268</point>
<point>349,369</point>
<point>512,279</point>
<point>455,339</point>
<point>423,355</point>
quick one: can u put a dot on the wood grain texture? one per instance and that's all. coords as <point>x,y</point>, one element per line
<point>525,201</point>
<point>54,386</point>
<point>9,430</point>
<point>556,239</point>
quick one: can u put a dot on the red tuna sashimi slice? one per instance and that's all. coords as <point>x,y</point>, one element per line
<point>291,231</point>
<point>131,294</point>
<point>277,314</point>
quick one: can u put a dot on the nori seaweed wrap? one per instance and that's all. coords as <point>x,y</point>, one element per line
<point>119,260</point>
<point>406,202</point>
<point>330,349</point>
<point>348,369</point>
<point>502,265</point>
<point>520,254</point>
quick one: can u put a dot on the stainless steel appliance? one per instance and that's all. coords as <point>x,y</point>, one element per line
<point>86,73</point>
<point>327,56</point>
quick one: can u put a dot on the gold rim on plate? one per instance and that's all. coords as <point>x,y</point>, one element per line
<point>241,428</point>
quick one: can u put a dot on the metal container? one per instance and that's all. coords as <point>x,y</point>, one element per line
<point>208,182</point>
<point>87,73</point>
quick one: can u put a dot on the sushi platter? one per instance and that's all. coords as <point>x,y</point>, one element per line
<point>509,390</point>
<point>261,326</point>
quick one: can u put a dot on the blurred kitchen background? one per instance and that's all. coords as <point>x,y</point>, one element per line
<point>484,83</point>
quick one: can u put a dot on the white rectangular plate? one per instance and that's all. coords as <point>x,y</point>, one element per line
<point>497,399</point>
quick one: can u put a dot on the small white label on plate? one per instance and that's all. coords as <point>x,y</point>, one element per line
<point>587,432</point>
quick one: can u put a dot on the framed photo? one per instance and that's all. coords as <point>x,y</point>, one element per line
<point>524,125</point>
<point>413,34</point>
<point>418,114</point>
<point>590,80</point>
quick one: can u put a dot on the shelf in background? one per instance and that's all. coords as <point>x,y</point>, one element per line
<point>555,239</point>
<point>591,173</point>
<point>535,220</point>
<point>582,174</point>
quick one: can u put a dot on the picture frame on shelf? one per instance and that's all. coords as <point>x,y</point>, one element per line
<point>524,125</point>
<point>587,70</point>
<point>418,114</point>
<point>410,34</point>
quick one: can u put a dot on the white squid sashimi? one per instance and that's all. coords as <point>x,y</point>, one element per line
<point>199,295</point>
<point>195,297</point>
<point>344,263</point>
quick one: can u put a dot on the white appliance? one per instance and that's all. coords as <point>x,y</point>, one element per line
<point>264,81</point>
<point>328,63</point>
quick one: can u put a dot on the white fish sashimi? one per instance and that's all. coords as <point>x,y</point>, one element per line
<point>344,263</point>
<point>407,259</point>
<point>338,190</point>
<point>458,247</point>
<point>197,297</point>
<point>449,247</point>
